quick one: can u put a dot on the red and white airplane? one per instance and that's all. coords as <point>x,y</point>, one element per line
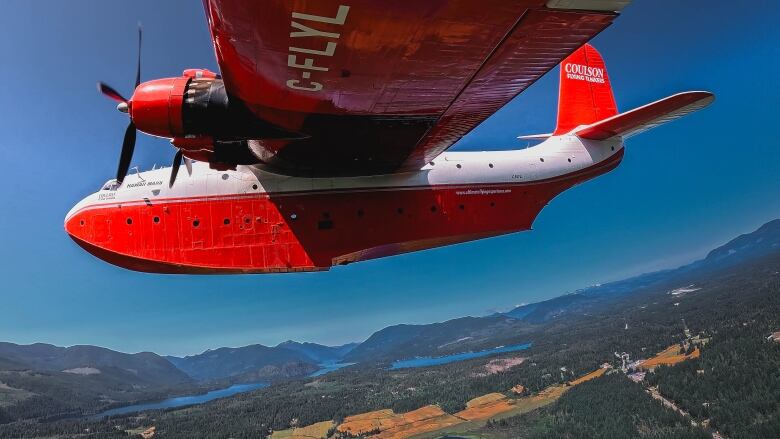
<point>324,140</point>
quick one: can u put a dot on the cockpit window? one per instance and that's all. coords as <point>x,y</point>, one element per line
<point>110,185</point>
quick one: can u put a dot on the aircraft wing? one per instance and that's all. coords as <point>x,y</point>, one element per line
<point>380,86</point>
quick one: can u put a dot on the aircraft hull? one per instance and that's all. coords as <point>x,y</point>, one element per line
<point>307,230</point>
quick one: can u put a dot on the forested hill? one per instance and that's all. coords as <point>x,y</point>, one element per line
<point>144,367</point>
<point>227,362</point>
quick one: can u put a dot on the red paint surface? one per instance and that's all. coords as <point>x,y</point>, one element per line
<point>537,44</point>
<point>582,99</point>
<point>257,233</point>
<point>407,79</point>
<point>634,119</point>
<point>156,106</point>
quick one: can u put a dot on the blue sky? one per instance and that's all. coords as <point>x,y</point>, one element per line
<point>681,190</point>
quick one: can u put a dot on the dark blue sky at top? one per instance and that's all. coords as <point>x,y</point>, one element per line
<point>682,188</point>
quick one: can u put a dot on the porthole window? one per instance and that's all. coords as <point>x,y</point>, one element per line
<point>247,220</point>
<point>129,221</point>
<point>293,216</point>
<point>81,223</point>
<point>613,148</point>
<point>569,160</point>
<point>226,221</point>
<point>541,159</point>
<point>254,186</point>
<point>225,176</point>
<point>156,219</point>
<point>196,223</point>
<point>490,165</point>
<point>432,164</point>
<point>458,166</point>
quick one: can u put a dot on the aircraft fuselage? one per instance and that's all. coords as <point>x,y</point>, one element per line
<point>253,221</point>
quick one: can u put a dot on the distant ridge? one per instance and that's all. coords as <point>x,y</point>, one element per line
<point>746,247</point>
<point>257,361</point>
<point>318,352</point>
<point>143,367</point>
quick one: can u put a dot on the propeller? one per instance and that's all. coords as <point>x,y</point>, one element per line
<point>177,160</point>
<point>128,144</point>
<point>175,166</point>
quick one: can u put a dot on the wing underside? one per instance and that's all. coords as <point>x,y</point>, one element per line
<point>379,86</point>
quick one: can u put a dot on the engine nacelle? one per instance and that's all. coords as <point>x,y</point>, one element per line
<point>156,106</point>
<point>196,105</point>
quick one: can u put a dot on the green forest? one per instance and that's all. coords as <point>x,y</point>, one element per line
<point>611,407</point>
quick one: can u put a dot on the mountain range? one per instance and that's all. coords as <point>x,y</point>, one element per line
<point>476,333</point>
<point>251,362</point>
<point>144,368</point>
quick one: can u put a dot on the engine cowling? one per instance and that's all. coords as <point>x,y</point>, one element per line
<point>196,105</point>
<point>156,106</point>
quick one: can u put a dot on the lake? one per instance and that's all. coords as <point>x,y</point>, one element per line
<point>436,361</point>
<point>329,367</point>
<point>182,401</point>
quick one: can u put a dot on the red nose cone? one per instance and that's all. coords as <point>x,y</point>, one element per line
<point>156,106</point>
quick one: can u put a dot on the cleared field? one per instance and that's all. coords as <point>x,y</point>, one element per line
<point>315,431</point>
<point>595,374</point>
<point>501,365</point>
<point>519,406</point>
<point>417,427</point>
<point>145,433</point>
<point>392,424</point>
<point>486,406</point>
<point>668,357</point>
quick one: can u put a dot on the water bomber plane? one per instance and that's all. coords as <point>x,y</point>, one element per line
<point>324,139</point>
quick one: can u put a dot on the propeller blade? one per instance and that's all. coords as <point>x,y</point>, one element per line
<point>138,65</point>
<point>110,92</point>
<point>188,165</point>
<point>175,168</point>
<point>128,145</point>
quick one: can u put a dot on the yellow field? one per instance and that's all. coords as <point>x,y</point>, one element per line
<point>518,407</point>
<point>391,422</point>
<point>595,374</point>
<point>669,357</point>
<point>314,431</point>
<point>486,406</point>
<point>421,426</point>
